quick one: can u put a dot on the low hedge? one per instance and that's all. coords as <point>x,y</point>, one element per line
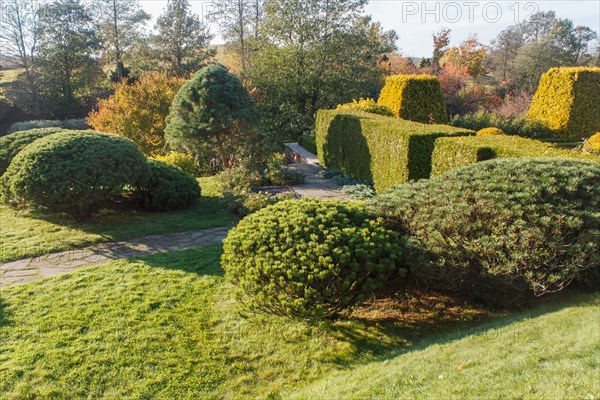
<point>168,188</point>
<point>71,124</point>
<point>501,227</point>
<point>568,101</point>
<point>11,145</point>
<point>415,98</point>
<point>76,172</point>
<point>309,258</point>
<point>382,150</point>
<point>450,153</point>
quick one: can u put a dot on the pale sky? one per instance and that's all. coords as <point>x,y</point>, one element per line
<point>416,21</point>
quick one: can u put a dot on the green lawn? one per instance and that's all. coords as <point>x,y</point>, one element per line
<point>536,356</point>
<point>26,234</point>
<point>166,326</point>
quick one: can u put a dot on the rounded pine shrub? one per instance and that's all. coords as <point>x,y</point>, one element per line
<point>76,172</point>
<point>490,131</point>
<point>415,98</point>
<point>168,188</point>
<point>309,258</point>
<point>501,227</point>
<point>11,145</point>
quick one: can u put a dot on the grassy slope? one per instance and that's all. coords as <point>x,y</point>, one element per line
<point>166,327</point>
<point>25,234</point>
<point>551,356</point>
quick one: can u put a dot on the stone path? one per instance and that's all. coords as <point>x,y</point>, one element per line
<point>315,185</point>
<point>27,270</point>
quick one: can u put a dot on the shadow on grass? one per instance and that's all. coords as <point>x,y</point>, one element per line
<point>387,337</point>
<point>201,261</point>
<point>3,316</point>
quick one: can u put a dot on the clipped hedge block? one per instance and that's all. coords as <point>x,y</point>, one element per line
<point>451,153</point>
<point>378,149</point>
<point>415,98</point>
<point>568,101</point>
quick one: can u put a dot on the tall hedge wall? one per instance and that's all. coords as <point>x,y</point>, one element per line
<point>451,153</point>
<point>415,98</point>
<point>568,101</point>
<point>383,150</point>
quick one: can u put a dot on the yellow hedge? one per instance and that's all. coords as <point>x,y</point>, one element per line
<point>593,143</point>
<point>414,97</point>
<point>568,101</point>
<point>454,152</point>
<point>490,131</point>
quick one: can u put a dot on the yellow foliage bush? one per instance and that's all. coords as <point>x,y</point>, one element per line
<point>366,105</point>
<point>414,97</point>
<point>490,131</point>
<point>568,101</point>
<point>138,111</point>
<point>593,143</point>
<point>181,160</point>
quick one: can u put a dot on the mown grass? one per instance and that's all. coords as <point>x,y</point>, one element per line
<point>166,326</point>
<point>532,355</point>
<point>26,234</point>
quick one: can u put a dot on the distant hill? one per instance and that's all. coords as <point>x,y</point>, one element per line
<point>8,62</point>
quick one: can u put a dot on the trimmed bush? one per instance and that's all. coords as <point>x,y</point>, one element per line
<point>373,148</point>
<point>593,142</point>
<point>568,101</point>
<point>415,98</point>
<point>501,227</point>
<point>168,188</point>
<point>11,145</point>
<point>76,172</point>
<point>366,105</point>
<point>451,153</point>
<point>490,131</point>
<point>71,124</point>
<point>309,258</point>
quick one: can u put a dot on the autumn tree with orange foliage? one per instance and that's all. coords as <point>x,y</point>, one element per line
<point>138,111</point>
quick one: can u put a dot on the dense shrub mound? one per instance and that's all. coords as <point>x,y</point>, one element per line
<point>383,150</point>
<point>415,98</point>
<point>490,131</point>
<point>11,145</point>
<point>455,152</point>
<point>76,172</point>
<point>568,101</point>
<point>309,258</point>
<point>168,188</point>
<point>502,225</point>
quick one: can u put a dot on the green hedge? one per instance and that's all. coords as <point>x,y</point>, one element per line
<point>415,98</point>
<point>568,101</point>
<point>382,150</point>
<point>451,153</point>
